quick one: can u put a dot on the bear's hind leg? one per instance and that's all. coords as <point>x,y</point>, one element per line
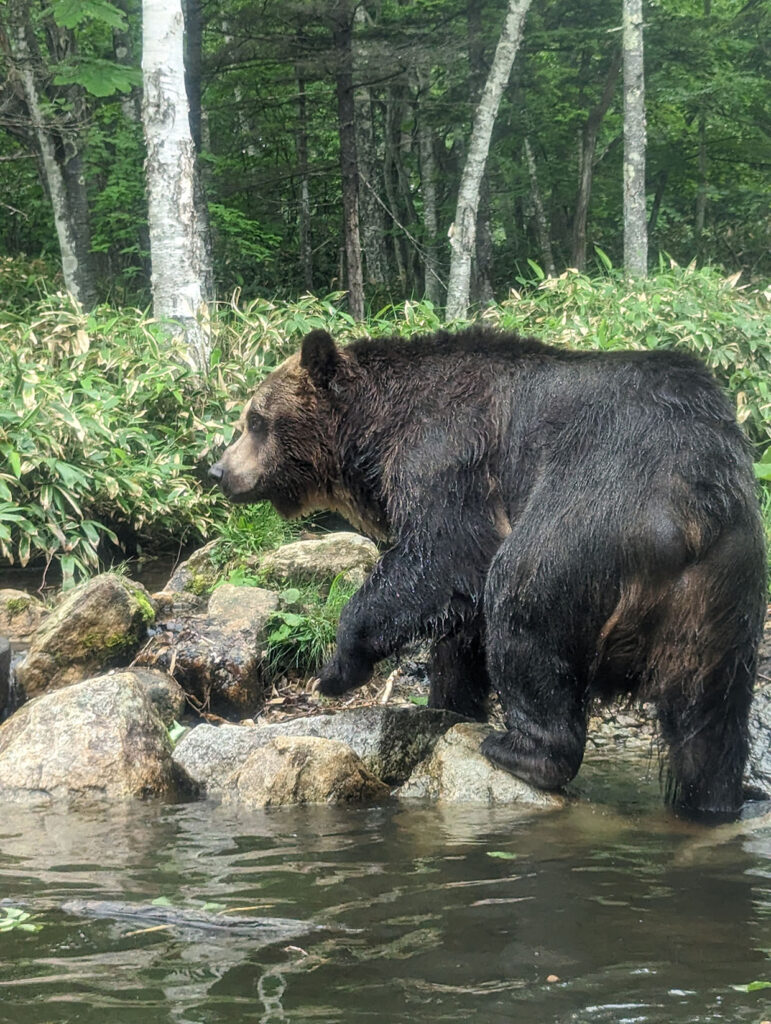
<point>534,660</point>
<point>458,675</point>
<point>702,670</point>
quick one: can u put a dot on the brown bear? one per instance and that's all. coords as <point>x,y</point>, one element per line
<point>562,525</point>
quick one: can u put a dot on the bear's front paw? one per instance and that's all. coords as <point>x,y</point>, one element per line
<point>339,676</point>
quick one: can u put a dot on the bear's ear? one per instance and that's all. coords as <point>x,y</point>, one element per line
<point>320,357</point>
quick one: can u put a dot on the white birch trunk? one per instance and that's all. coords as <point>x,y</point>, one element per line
<point>177,242</point>
<point>635,229</point>
<point>463,231</point>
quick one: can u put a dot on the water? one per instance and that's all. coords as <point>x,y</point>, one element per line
<point>640,917</point>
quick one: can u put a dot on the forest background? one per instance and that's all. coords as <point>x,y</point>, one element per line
<point>263,86</point>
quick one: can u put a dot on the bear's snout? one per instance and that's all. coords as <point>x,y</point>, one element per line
<point>217,471</point>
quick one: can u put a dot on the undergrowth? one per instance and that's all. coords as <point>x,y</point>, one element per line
<point>106,433</point>
<point>303,631</point>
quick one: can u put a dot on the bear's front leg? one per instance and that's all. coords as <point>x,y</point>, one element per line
<point>417,588</point>
<point>350,666</point>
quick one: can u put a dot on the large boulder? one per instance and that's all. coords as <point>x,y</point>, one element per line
<point>21,614</point>
<point>190,585</point>
<point>457,772</point>
<point>302,770</point>
<point>98,625</point>
<point>321,559</point>
<point>759,767</point>
<point>100,739</point>
<point>390,741</point>
<point>165,693</point>
<point>217,656</point>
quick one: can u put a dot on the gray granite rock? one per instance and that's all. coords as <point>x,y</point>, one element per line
<point>100,739</point>
<point>457,772</point>
<point>390,741</point>
<point>98,625</point>
<point>302,770</point>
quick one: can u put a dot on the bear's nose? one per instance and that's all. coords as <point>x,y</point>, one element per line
<point>217,472</point>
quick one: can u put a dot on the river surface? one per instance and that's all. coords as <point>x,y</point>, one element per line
<point>608,911</point>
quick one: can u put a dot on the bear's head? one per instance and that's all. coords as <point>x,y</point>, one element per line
<point>285,452</point>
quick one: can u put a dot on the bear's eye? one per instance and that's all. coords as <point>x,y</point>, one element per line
<point>256,422</point>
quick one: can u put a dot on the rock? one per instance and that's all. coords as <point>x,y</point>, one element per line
<point>190,584</point>
<point>165,693</point>
<point>217,657</point>
<point>100,739</point>
<point>457,772</point>
<point>98,624</point>
<point>20,614</point>
<point>196,575</point>
<point>390,741</point>
<point>321,560</point>
<point>5,672</point>
<point>759,768</point>
<point>302,770</point>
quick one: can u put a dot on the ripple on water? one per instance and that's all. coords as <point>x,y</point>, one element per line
<point>589,915</point>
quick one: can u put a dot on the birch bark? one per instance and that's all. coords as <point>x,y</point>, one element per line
<point>463,230</point>
<point>635,229</point>
<point>178,245</point>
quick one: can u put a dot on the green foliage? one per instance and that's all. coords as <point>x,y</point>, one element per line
<point>176,731</point>
<point>302,640</point>
<point>105,433</point>
<point>698,310</point>
<point>98,76</point>
<point>71,13</point>
<point>753,986</point>
<point>247,531</point>
<point>13,919</point>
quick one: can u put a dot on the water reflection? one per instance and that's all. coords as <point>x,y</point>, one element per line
<point>593,914</point>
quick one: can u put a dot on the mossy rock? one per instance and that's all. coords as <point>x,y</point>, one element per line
<point>20,614</point>
<point>98,625</point>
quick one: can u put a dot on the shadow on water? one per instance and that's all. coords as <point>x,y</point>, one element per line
<point>611,911</point>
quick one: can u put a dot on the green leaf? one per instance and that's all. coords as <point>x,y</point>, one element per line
<point>536,269</point>
<point>754,986</point>
<point>176,731</point>
<point>290,596</point>
<point>70,13</point>
<point>162,901</point>
<point>502,854</point>
<point>604,258</point>
<point>420,702</point>
<point>98,76</point>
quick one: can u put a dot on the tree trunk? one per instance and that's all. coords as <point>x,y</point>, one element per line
<point>658,195</point>
<point>371,220</point>
<point>635,233</point>
<point>60,162</point>
<point>342,34</point>
<point>306,251</point>
<point>541,225</point>
<point>701,195</point>
<point>432,282</point>
<point>193,54</point>
<point>586,151</point>
<point>480,285</point>
<point>178,248</point>
<point>463,230</point>
<point>123,51</point>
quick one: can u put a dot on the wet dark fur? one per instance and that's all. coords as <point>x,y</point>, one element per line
<point>563,525</point>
